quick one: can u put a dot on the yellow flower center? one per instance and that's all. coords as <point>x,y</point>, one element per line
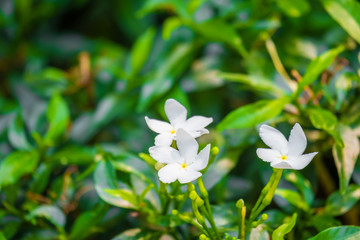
<point>173,131</point>
<point>183,166</point>
<point>283,157</point>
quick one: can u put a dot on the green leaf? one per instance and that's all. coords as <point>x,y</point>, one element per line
<point>74,154</point>
<point>346,157</point>
<point>141,50</point>
<point>293,8</point>
<point>17,134</point>
<point>132,234</point>
<point>338,204</point>
<point>16,165</point>
<point>255,82</point>
<point>165,76</point>
<point>125,194</point>
<point>221,31</point>
<point>285,228</point>
<point>2,237</point>
<point>109,108</point>
<point>293,197</point>
<point>105,178</point>
<point>87,221</point>
<point>337,233</point>
<point>322,222</point>
<point>302,184</point>
<point>325,120</point>
<point>59,118</point>
<point>170,25</point>
<point>347,14</point>
<point>51,213</point>
<point>253,114</point>
<point>317,66</point>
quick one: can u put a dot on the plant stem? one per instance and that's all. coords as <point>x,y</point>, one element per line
<point>267,194</point>
<point>204,194</point>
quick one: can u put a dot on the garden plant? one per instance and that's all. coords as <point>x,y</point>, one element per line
<point>179,119</point>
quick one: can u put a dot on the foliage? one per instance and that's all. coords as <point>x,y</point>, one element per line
<point>78,77</point>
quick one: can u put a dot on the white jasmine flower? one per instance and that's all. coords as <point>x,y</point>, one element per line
<point>176,114</point>
<point>284,154</point>
<point>184,164</point>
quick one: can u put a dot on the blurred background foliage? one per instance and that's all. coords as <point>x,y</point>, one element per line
<point>78,77</point>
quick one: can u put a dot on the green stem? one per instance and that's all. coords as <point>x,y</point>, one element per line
<point>268,195</point>
<point>241,210</point>
<point>204,194</point>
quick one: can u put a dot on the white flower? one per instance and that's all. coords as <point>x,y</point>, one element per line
<point>183,165</point>
<point>284,154</point>
<point>176,114</point>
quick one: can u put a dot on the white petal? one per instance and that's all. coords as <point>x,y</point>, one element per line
<point>201,161</point>
<point>268,155</point>
<point>157,125</point>
<point>274,139</point>
<point>197,122</point>
<point>188,175</point>
<point>283,164</point>
<point>164,139</point>
<point>302,161</point>
<point>187,145</point>
<point>169,173</point>
<point>175,112</point>
<point>165,154</point>
<point>297,141</point>
<point>198,133</point>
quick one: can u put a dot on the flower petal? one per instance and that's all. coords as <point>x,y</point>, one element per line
<point>165,154</point>
<point>202,159</point>
<point>157,125</point>
<point>267,154</point>
<point>302,161</point>
<point>197,122</point>
<point>297,141</point>
<point>187,145</point>
<point>274,139</point>
<point>175,112</point>
<point>164,139</point>
<point>169,173</point>
<point>283,164</point>
<point>188,175</point>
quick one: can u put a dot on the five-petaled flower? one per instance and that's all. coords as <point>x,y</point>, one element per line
<point>176,114</point>
<point>184,164</point>
<point>284,154</point>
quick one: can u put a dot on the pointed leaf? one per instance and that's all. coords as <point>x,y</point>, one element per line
<point>336,233</point>
<point>317,66</point>
<point>285,228</point>
<point>347,14</point>
<point>253,114</point>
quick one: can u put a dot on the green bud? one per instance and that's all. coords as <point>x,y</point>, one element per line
<point>203,237</point>
<point>240,203</point>
<point>264,217</point>
<point>193,195</point>
<point>180,197</point>
<point>175,212</point>
<point>215,151</point>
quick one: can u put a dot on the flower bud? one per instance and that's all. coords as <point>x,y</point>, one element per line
<point>193,195</point>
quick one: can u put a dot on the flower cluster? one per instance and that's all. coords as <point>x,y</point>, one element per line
<point>184,163</point>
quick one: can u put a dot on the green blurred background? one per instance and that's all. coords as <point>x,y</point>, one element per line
<point>78,77</point>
